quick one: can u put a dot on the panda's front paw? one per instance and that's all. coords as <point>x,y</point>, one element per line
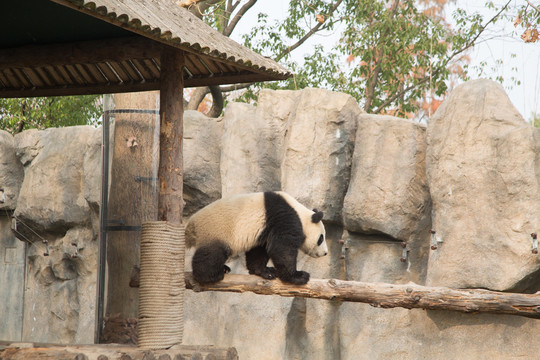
<point>299,278</point>
<point>269,273</point>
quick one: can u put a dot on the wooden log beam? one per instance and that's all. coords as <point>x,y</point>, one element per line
<point>383,295</point>
<point>21,351</point>
<point>170,171</point>
<point>84,52</point>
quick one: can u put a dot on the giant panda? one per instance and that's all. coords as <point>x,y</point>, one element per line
<point>269,225</point>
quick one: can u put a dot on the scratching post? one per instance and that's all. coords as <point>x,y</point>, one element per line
<point>161,292</point>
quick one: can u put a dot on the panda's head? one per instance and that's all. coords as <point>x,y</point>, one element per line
<point>315,243</point>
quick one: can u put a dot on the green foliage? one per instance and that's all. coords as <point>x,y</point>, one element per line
<point>535,120</point>
<point>389,56</point>
<point>17,115</point>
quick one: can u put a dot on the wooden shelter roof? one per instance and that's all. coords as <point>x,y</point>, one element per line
<point>68,47</point>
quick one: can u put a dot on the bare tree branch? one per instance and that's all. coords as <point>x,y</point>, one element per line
<point>217,102</point>
<point>197,97</point>
<point>534,7</point>
<point>232,24</point>
<point>401,93</point>
<point>308,35</point>
<point>234,87</point>
<point>198,7</point>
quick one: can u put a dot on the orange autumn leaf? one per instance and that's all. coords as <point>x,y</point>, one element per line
<point>530,35</point>
<point>518,20</point>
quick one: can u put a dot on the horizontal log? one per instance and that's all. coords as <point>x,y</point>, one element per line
<point>20,351</point>
<point>81,89</point>
<point>383,295</point>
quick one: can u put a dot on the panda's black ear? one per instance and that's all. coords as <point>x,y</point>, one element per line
<point>317,216</point>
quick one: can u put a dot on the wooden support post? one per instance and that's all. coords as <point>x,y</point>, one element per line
<point>158,328</point>
<point>170,171</point>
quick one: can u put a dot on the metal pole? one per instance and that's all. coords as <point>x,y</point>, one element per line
<point>102,256</point>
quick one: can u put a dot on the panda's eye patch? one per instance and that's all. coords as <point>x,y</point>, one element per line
<point>321,239</point>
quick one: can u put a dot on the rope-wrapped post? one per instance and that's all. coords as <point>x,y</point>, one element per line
<point>161,290</point>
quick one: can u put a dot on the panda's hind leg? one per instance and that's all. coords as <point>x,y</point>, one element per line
<point>208,262</point>
<point>256,260</point>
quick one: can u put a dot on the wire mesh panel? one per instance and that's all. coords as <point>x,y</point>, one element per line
<point>131,138</point>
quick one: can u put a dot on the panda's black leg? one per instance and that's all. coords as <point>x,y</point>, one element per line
<point>208,262</point>
<point>256,260</point>
<point>284,259</point>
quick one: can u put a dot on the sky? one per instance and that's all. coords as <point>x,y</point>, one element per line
<point>518,60</point>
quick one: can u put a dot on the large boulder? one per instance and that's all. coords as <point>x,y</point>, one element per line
<point>240,153</point>
<point>318,150</point>
<point>482,168</point>
<point>419,334</point>
<point>202,151</point>
<point>59,204</point>
<point>252,146</point>
<point>388,190</point>
<point>52,196</point>
<point>11,172</point>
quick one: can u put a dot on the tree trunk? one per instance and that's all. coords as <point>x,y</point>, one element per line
<point>198,96</point>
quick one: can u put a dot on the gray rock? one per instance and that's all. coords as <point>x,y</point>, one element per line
<point>239,156</point>
<point>59,203</point>
<point>482,167</point>
<point>202,152</point>
<point>11,172</point>
<point>318,150</point>
<point>253,140</point>
<point>388,190</point>
<point>52,197</point>
<point>28,145</point>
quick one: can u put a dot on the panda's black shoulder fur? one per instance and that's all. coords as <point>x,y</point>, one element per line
<point>282,222</point>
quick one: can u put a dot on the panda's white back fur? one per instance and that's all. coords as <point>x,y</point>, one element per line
<point>238,220</point>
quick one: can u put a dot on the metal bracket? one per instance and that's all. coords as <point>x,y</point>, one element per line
<point>405,252</point>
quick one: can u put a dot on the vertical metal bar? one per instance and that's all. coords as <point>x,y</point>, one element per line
<point>102,259</point>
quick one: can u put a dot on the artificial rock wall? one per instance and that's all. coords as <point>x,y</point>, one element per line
<point>51,180</point>
<point>471,175</point>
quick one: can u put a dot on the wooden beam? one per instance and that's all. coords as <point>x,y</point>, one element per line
<point>225,78</point>
<point>21,351</point>
<point>85,52</point>
<point>383,295</point>
<point>127,87</point>
<point>170,171</point>
<point>81,89</point>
